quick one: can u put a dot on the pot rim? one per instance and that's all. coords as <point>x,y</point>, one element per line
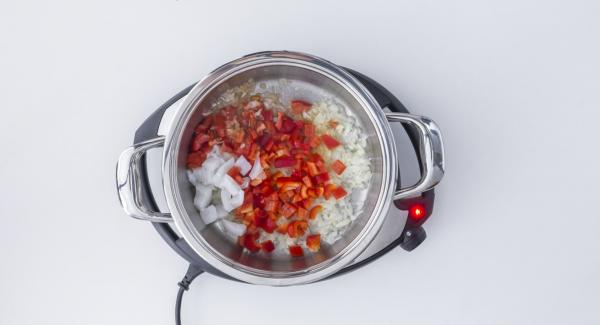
<point>245,273</point>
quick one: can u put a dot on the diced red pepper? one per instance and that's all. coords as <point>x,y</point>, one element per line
<point>322,178</point>
<point>270,126</point>
<point>279,122</point>
<point>246,207</point>
<point>258,200</point>
<point>226,148</point>
<point>195,159</point>
<point>287,210</point>
<point>253,133</point>
<point>296,251</point>
<point>250,243</point>
<point>199,140</point>
<point>297,198</point>
<point>277,175</point>
<point>312,168</point>
<point>286,196</point>
<point>300,106</point>
<point>254,149</point>
<point>287,126</point>
<point>269,225</point>
<point>267,114</point>
<point>282,152</point>
<point>269,145</point>
<point>219,122</point>
<point>259,217</point>
<point>314,141</point>
<point>321,166</point>
<point>204,125</point>
<point>302,213</point>
<point>238,179</point>
<point>319,191</point>
<point>339,193</point>
<point>309,130</point>
<point>298,144</point>
<point>316,157</point>
<point>234,171</point>
<point>237,135</point>
<point>282,228</point>
<point>304,192</point>
<point>315,211</point>
<point>263,140</point>
<point>307,181</point>
<point>338,167</point>
<point>283,162</point>
<point>306,203</point>
<point>328,190</point>
<point>287,185</point>
<point>329,141</point>
<point>267,246</point>
<point>313,242</point>
<point>271,205</point>
<point>297,228</point>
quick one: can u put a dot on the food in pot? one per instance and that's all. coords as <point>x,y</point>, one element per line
<point>279,178</point>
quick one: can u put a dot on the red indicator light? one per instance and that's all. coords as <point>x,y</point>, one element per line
<point>417,211</point>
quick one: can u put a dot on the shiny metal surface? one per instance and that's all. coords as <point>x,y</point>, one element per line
<point>128,184</point>
<point>395,219</point>
<point>431,152</point>
<point>305,77</point>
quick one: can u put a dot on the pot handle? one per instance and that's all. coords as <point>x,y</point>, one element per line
<point>431,151</point>
<point>129,182</point>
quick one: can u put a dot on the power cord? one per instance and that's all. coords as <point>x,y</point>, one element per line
<point>192,272</point>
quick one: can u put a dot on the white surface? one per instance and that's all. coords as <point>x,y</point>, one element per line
<point>513,84</point>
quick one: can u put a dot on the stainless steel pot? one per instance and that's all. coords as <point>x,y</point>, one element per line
<point>306,77</point>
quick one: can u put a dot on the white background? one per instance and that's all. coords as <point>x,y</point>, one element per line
<point>514,85</point>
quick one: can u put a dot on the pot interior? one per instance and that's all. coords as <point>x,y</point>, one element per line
<point>289,82</point>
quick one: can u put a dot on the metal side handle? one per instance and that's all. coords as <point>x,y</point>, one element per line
<point>431,151</point>
<point>129,182</point>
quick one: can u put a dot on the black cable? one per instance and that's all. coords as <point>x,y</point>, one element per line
<point>192,272</point>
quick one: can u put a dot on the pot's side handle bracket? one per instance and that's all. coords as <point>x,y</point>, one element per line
<point>413,233</point>
<point>431,151</point>
<point>129,182</point>
<point>149,130</point>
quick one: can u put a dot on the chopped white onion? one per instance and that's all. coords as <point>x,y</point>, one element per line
<point>243,164</point>
<point>217,178</point>
<point>257,170</point>
<point>231,202</point>
<point>221,213</point>
<point>191,176</point>
<point>209,214</point>
<point>230,185</point>
<point>203,196</point>
<point>205,173</point>
<point>238,199</point>
<point>245,183</point>
<point>234,228</point>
